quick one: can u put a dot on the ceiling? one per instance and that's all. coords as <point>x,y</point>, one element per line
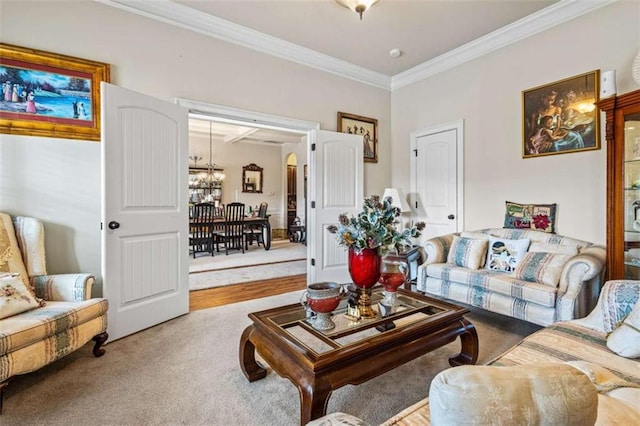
<point>233,133</point>
<point>421,29</point>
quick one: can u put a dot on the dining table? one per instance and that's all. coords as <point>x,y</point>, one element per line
<point>218,224</point>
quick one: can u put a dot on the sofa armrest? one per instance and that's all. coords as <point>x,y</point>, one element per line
<point>63,287</point>
<point>617,299</point>
<point>436,249</point>
<point>580,282</point>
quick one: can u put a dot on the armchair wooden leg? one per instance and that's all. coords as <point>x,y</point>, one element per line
<point>98,351</point>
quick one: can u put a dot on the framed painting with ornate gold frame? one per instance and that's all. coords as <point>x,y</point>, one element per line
<point>561,117</point>
<point>364,126</point>
<point>51,95</point>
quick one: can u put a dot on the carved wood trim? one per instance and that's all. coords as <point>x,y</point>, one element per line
<point>614,134</point>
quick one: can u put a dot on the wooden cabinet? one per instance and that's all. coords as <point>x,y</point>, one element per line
<point>623,185</point>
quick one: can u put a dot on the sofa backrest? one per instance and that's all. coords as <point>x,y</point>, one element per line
<point>30,235</point>
<point>10,255</point>
<point>537,236</point>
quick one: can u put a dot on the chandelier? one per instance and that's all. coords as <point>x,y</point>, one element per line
<point>358,6</point>
<point>213,176</point>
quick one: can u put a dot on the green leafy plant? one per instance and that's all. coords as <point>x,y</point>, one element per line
<point>374,227</point>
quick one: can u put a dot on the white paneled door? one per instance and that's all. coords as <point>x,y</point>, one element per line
<point>436,184</point>
<point>337,169</point>
<point>144,211</point>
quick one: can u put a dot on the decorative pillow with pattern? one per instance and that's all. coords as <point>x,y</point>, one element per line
<point>14,296</point>
<point>467,252</point>
<point>504,255</point>
<point>538,217</point>
<point>543,268</point>
<point>625,340</point>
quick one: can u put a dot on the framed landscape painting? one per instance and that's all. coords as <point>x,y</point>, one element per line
<point>364,126</point>
<point>561,117</point>
<point>51,95</point>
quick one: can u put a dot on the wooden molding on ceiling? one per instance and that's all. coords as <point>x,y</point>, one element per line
<point>185,17</point>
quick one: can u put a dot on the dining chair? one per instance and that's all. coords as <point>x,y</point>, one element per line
<point>232,235</point>
<point>201,234</point>
<point>256,232</point>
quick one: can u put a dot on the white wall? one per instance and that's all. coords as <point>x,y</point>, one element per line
<point>486,94</point>
<point>162,61</point>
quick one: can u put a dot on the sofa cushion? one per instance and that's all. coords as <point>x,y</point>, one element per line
<point>15,297</point>
<point>493,281</point>
<point>539,247</point>
<point>621,296</point>
<point>44,351</point>
<point>625,340</point>
<point>539,236</point>
<point>540,217</point>
<point>543,268</point>
<point>467,252</point>
<point>565,341</point>
<point>531,394</point>
<point>504,254</point>
<point>32,326</point>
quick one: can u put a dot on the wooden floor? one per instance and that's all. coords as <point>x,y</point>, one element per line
<point>208,298</point>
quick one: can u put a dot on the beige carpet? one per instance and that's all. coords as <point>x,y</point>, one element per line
<point>284,259</point>
<point>186,372</point>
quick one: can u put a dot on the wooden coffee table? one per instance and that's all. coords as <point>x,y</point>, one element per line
<point>355,351</point>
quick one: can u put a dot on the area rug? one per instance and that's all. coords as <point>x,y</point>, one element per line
<point>284,259</point>
<point>186,371</point>
<point>281,250</point>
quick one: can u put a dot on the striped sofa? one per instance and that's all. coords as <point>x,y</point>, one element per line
<point>579,342</point>
<point>573,297</point>
<point>69,318</point>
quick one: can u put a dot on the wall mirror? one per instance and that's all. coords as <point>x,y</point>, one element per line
<point>252,178</point>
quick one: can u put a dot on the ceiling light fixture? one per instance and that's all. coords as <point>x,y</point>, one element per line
<point>358,6</point>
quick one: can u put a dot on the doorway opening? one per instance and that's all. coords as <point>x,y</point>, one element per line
<point>234,140</point>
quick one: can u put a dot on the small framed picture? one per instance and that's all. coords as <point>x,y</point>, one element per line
<point>364,126</point>
<point>51,95</point>
<point>561,117</point>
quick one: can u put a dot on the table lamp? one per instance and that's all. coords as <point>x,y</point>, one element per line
<point>397,200</point>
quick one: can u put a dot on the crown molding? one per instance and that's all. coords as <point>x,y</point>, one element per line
<point>556,14</point>
<point>185,17</point>
<point>191,19</point>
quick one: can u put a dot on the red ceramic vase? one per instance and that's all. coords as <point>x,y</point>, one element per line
<point>364,267</point>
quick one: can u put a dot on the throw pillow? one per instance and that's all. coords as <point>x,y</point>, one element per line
<point>553,248</point>
<point>14,296</point>
<point>467,252</point>
<point>538,217</point>
<point>543,268</point>
<point>504,254</point>
<point>625,340</point>
<point>524,394</point>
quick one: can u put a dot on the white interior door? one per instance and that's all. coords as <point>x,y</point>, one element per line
<point>436,179</point>
<point>144,210</point>
<point>336,168</point>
